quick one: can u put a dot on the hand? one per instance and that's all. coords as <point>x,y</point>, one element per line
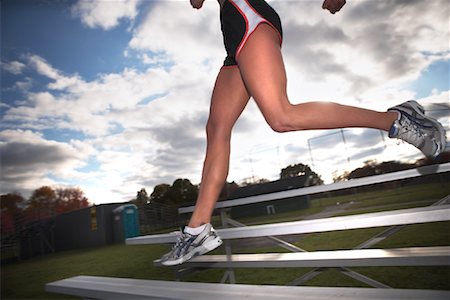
<point>332,5</point>
<point>197,3</point>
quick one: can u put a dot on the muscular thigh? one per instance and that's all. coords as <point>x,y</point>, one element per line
<point>228,100</point>
<point>262,69</point>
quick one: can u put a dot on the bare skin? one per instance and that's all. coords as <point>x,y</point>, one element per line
<point>261,74</point>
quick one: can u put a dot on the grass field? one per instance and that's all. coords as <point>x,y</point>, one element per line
<point>26,279</point>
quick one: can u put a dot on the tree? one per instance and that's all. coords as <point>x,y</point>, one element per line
<point>301,170</point>
<point>11,207</point>
<point>253,180</point>
<point>373,167</point>
<point>142,202</point>
<point>42,203</point>
<point>12,203</point>
<point>159,193</point>
<point>69,199</point>
<point>182,191</point>
<point>342,177</point>
<point>227,189</point>
<point>142,199</point>
<point>142,196</point>
<point>46,202</point>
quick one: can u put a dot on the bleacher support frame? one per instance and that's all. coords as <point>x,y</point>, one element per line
<point>119,288</point>
<point>91,287</point>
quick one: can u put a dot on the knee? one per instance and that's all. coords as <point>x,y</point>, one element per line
<point>217,131</point>
<point>279,125</point>
<point>281,121</point>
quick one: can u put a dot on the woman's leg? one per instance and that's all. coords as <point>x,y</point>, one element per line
<point>262,69</point>
<point>229,99</point>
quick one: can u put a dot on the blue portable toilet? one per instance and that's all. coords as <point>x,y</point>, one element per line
<point>126,222</point>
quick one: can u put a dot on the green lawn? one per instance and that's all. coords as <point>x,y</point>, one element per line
<point>26,279</point>
<point>364,202</point>
<point>407,194</point>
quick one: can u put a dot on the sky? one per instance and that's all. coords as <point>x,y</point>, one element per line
<point>113,96</point>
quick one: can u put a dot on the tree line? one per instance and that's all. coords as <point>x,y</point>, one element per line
<point>183,192</point>
<point>373,167</point>
<point>43,203</point>
<point>47,202</point>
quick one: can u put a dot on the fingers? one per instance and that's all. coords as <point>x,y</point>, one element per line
<point>333,5</point>
<point>197,3</point>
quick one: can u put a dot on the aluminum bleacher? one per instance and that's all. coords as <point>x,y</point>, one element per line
<point>416,256</point>
<point>120,288</point>
<point>136,289</point>
<point>380,219</point>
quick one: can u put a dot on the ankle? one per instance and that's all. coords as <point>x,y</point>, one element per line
<point>194,230</point>
<point>194,224</point>
<point>392,116</point>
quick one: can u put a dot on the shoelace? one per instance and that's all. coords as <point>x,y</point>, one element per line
<point>179,245</point>
<point>411,133</point>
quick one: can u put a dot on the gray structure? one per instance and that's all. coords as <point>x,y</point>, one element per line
<point>87,227</point>
<point>125,288</point>
<point>270,207</point>
<point>93,226</point>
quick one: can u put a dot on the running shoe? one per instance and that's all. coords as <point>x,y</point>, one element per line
<point>188,246</point>
<point>417,129</point>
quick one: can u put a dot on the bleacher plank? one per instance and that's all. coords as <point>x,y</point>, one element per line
<point>370,220</point>
<point>401,175</point>
<point>91,287</point>
<point>138,289</point>
<point>417,256</point>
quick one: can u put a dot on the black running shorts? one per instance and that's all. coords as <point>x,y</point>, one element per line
<point>239,19</point>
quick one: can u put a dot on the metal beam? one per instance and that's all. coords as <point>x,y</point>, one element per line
<point>362,278</point>
<point>275,240</point>
<point>315,272</point>
<point>138,289</point>
<point>380,219</point>
<point>427,170</point>
<point>417,256</point>
<point>369,243</point>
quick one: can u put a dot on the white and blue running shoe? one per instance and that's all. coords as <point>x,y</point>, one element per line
<point>415,128</point>
<point>188,246</point>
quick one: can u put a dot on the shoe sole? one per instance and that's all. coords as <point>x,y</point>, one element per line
<point>421,112</point>
<point>205,248</point>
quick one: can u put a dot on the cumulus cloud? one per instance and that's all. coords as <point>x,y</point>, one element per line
<point>138,121</point>
<point>13,67</point>
<point>366,45</point>
<point>105,14</point>
<point>73,103</point>
<point>43,67</point>
<point>28,159</point>
<point>185,36</point>
<point>145,125</point>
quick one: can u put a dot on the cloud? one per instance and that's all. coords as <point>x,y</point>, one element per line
<point>144,125</point>
<point>70,102</point>
<point>181,147</point>
<point>13,67</point>
<point>138,122</point>
<point>105,14</point>
<point>367,45</point>
<point>29,160</point>
<point>43,67</point>
<point>25,84</point>
<point>186,36</point>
